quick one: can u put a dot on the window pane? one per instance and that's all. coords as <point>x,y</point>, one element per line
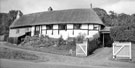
<point>49,27</point>
<point>77,26</point>
<point>95,27</point>
<point>91,27</point>
<point>37,28</point>
<point>62,26</point>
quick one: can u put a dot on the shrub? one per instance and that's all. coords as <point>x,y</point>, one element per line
<point>123,33</point>
<point>35,41</point>
<point>80,38</point>
<point>67,45</point>
<point>93,44</point>
<point>61,42</point>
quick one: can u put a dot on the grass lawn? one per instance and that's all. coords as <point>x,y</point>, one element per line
<point>7,53</point>
<point>50,49</point>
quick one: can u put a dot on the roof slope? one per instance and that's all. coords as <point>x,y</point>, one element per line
<point>58,17</point>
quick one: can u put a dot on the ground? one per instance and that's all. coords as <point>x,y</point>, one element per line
<point>101,58</point>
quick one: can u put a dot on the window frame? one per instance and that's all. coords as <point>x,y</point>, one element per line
<point>77,26</point>
<point>50,27</point>
<point>62,27</point>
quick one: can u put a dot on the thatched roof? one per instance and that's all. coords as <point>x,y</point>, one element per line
<point>58,17</point>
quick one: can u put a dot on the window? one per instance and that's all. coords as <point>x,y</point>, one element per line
<point>62,27</point>
<point>17,31</point>
<point>95,27</point>
<point>77,26</point>
<point>90,27</point>
<point>49,27</point>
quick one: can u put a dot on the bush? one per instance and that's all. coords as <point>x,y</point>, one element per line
<point>93,44</point>
<point>123,33</point>
<point>80,38</point>
<point>35,41</point>
<point>67,44</point>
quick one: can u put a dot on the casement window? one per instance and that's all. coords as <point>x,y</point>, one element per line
<point>93,27</point>
<point>17,31</point>
<point>49,27</point>
<point>37,30</point>
<point>90,27</point>
<point>77,26</point>
<point>62,27</point>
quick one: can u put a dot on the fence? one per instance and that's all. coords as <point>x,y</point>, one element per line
<point>87,47</point>
<point>123,49</point>
<point>81,49</point>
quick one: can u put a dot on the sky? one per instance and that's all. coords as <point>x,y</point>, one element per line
<point>32,6</point>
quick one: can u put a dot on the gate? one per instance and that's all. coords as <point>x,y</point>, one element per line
<point>122,49</point>
<point>81,49</point>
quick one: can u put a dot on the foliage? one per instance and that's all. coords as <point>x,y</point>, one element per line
<point>68,44</point>
<point>6,19</point>
<point>45,41</point>
<point>114,19</point>
<point>80,38</point>
<point>35,41</point>
<point>123,33</point>
<point>93,44</point>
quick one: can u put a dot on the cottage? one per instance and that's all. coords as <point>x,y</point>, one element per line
<point>56,23</point>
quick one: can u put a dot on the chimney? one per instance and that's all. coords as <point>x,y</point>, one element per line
<point>50,9</point>
<point>91,5</point>
<point>18,15</point>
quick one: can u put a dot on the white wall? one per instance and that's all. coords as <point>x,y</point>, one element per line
<point>22,31</point>
<point>55,33</point>
<point>32,30</point>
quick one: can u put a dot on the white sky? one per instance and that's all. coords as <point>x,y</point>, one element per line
<point>32,6</point>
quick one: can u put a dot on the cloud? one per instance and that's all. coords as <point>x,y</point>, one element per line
<point>124,6</point>
<point>32,6</point>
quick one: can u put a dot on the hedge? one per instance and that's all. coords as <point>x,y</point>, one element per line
<point>123,33</point>
<point>93,44</point>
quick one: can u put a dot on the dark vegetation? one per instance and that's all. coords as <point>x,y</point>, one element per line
<point>93,44</point>
<point>123,25</point>
<point>123,33</point>
<point>114,19</point>
<point>6,19</point>
<point>45,41</point>
<point>16,54</point>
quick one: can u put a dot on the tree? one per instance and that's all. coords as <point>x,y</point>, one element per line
<point>123,33</point>
<point>6,19</point>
